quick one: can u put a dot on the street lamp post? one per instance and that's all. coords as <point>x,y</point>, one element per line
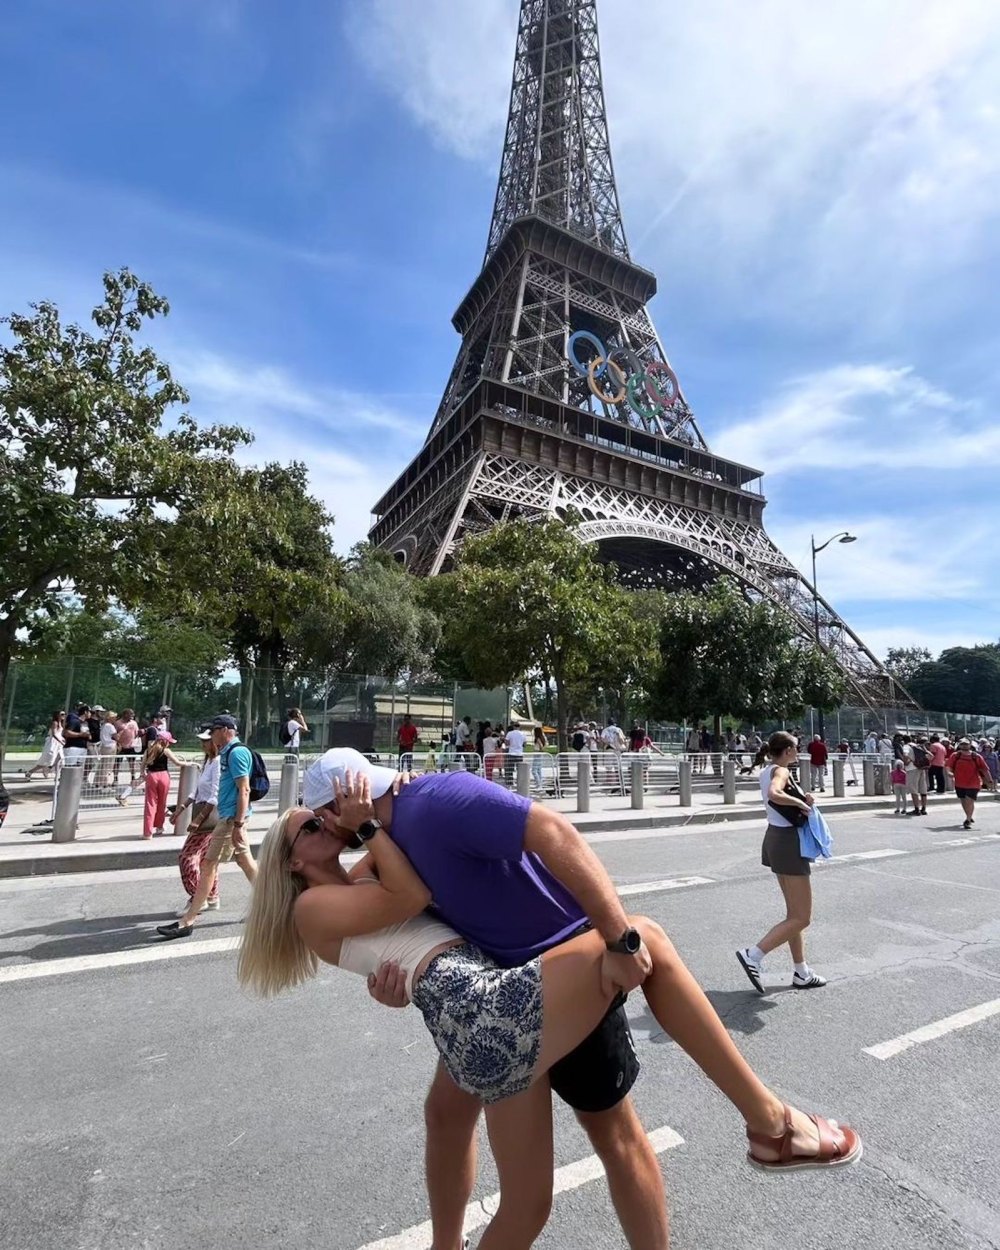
<point>843,537</point>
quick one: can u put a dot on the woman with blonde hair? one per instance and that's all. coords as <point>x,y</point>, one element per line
<point>787,807</point>
<point>498,1029</point>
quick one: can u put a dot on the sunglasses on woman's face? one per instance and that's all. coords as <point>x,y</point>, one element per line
<point>312,825</point>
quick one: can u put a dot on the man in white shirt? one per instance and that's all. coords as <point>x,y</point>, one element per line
<point>615,741</point>
<point>871,744</point>
<point>514,741</point>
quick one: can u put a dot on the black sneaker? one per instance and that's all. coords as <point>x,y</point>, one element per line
<point>174,930</point>
<point>750,968</point>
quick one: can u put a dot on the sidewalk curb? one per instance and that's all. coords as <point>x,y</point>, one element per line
<point>78,856</point>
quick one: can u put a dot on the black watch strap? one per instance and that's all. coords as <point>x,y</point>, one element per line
<point>368,829</point>
<point>630,943</point>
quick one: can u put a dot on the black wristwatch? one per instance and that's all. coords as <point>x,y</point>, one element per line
<point>367,830</point>
<point>630,943</point>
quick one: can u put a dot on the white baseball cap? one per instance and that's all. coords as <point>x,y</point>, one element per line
<point>317,780</point>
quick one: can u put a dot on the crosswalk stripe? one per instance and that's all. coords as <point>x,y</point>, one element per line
<point>478,1214</point>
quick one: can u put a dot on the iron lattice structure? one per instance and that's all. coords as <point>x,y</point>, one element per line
<point>562,397</point>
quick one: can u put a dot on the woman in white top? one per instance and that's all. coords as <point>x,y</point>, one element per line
<point>52,748</point>
<point>107,747</point>
<point>784,803</point>
<point>195,846</point>
<point>498,1030</point>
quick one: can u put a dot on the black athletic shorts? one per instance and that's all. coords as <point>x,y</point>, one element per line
<point>966,792</point>
<point>601,1071</point>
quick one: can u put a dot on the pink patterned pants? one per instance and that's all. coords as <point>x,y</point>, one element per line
<point>190,861</point>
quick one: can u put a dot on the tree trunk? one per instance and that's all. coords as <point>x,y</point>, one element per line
<point>562,710</point>
<point>5,659</point>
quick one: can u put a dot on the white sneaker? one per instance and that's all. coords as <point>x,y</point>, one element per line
<point>204,907</point>
<point>213,904</point>
<point>811,981</point>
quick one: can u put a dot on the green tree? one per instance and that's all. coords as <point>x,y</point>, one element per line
<point>87,464</point>
<point>384,626</point>
<point>722,654</point>
<point>962,679</point>
<point>257,556</point>
<point>905,662</point>
<point>550,608</point>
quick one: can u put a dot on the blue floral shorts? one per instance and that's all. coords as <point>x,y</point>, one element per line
<point>486,1021</point>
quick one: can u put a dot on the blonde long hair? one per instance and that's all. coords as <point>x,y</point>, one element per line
<point>272,956</point>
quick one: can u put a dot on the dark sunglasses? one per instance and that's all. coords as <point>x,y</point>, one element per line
<point>312,825</point>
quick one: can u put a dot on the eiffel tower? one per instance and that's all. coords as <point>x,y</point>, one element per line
<point>562,399</point>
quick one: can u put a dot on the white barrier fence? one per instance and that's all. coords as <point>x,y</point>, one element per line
<point>100,783</point>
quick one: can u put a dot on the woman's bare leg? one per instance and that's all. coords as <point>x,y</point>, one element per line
<point>520,1130</point>
<point>797,893</point>
<point>575,1000</point>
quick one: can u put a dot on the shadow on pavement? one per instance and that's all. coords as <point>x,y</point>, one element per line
<point>741,1011</point>
<point>107,935</point>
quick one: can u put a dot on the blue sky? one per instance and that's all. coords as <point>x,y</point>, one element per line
<point>818,190</point>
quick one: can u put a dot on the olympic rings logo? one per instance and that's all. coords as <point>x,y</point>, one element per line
<point>651,390</point>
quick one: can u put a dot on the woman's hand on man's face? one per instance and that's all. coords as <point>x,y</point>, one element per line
<point>354,801</point>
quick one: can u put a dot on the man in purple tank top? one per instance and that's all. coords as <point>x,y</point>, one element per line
<point>516,879</point>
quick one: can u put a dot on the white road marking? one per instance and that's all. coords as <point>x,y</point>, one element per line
<point>653,887</point>
<point>117,959</point>
<point>885,854</point>
<point>931,1032</point>
<point>478,1214</point>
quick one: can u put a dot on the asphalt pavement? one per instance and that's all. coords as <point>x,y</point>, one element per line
<point>149,1104</point>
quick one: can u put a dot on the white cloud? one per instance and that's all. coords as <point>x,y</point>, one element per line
<point>352,445</point>
<point>872,125</point>
<point>253,392</point>
<point>862,416</point>
<point>892,561</point>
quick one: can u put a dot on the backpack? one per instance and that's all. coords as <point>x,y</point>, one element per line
<point>284,737</point>
<point>579,740</point>
<point>260,782</point>
<point>920,756</point>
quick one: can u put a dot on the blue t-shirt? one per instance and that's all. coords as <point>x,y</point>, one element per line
<point>465,837</point>
<point>235,761</point>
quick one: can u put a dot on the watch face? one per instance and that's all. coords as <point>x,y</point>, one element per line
<point>633,941</point>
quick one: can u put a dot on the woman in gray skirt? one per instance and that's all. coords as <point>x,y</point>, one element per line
<point>786,806</point>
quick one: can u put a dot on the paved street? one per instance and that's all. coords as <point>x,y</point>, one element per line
<point>153,1105</point>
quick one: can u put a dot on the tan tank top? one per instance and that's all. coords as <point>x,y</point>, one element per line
<point>405,944</point>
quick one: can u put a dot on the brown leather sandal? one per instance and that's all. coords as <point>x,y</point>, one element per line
<point>837,1146</point>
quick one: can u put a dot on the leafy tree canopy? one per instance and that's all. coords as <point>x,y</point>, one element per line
<point>88,467</point>
<point>721,654</point>
<point>528,597</point>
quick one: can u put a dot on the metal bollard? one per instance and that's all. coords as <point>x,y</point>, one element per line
<point>64,819</point>
<point>187,783</point>
<point>638,784</point>
<point>868,770</point>
<point>288,787</point>
<point>583,784</point>
<point>838,779</point>
<point>949,782</point>
<point>729,782</point>
<point>684,782</point>
<point>524,778</point>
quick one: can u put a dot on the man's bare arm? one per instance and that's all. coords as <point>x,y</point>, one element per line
<point>558,844</point>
